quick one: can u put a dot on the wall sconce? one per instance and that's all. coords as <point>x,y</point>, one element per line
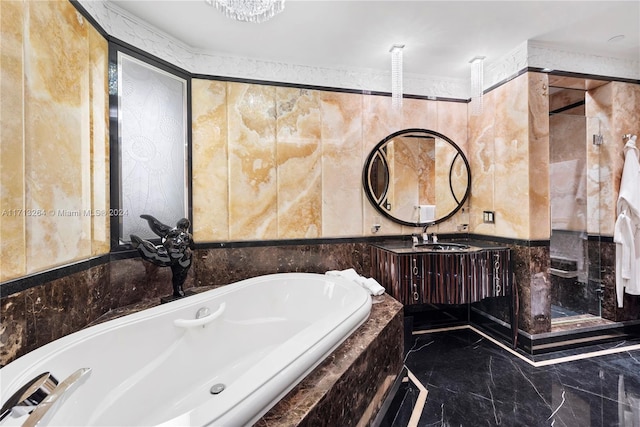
<point>477,82</point>
<point>396,75</point>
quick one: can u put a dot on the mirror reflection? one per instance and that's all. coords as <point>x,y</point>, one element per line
<point>416,177</point>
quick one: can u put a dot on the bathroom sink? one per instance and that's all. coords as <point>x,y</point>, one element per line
<point>443,246</point>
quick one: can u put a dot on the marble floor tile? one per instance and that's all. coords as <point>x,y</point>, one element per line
<point>473,382</point>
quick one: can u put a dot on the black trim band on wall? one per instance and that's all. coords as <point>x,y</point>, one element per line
<point>567,107</point>
<point>299,242</point>
<point>561,73</point>
<point>322,88</point>
<point>36,279</point>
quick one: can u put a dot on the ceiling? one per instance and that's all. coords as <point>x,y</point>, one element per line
<point>440,36</point>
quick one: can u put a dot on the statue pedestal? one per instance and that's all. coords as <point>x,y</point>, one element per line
<point>172,297</point>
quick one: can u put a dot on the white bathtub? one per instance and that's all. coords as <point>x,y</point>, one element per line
<point>147,370</point>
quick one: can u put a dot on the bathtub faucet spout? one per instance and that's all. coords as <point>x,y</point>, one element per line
<point>29,395</point>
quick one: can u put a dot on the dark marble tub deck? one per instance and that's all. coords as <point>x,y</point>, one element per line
<point>471,381</point>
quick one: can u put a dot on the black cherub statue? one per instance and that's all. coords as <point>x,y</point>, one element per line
<point>174,252</point>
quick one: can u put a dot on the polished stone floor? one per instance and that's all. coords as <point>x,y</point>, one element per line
<point>471,381</point>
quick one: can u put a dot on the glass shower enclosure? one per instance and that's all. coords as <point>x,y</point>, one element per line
<point>574,168</point>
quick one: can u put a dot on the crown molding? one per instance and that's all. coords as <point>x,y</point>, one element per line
<point>506,66</point>
<point>122,25</point>
<point>541,55</point>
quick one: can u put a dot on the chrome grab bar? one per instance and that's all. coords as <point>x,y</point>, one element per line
<point>184,323</point>
<point>29,395</point>
<point>46,408</point>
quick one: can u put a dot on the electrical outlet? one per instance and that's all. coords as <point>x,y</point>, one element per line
<point>488,217</point>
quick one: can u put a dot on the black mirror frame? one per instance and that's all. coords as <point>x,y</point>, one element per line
<point>370,157</point>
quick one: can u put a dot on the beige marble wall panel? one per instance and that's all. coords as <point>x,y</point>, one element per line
<point>210,183</point>
<point>12,221</point>
<point>539,200</point>
<point>423,114</point>
<point>299,163</point>
<point>57,135</point>
<point>567,138</point>
<point>99,156</point>
<point>453,123</point>
<point>482,164</point>
<point>601,204</point>
<point>342,155</point>
<point>511,201</point>
<point>251,112</point>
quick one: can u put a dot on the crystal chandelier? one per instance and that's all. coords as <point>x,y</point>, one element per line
<point>477,82</point>
<point>248,10</point>
<point>396,75</point>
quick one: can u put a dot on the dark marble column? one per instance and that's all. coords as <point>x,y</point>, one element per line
<point>606,257</point>
<point>531,268</point>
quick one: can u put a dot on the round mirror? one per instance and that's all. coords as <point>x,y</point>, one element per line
<point>417,177</point>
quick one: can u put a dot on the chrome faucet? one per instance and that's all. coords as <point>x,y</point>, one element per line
<point>42,396</point>
<point>425,236</point>
<point>29,395</point>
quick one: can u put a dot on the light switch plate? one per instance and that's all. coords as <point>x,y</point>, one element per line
<point>488,217</point>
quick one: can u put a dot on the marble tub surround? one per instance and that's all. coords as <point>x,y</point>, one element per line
<point>54,141</point>
<point>44,313</point>
<point>39,315</point>
<point>218,267</point>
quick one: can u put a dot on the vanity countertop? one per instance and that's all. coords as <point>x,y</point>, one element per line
<point>403,247</point>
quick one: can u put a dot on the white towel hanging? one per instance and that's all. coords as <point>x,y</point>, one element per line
<point>627,228</point>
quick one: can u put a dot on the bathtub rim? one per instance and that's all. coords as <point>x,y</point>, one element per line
<point>44,353</point>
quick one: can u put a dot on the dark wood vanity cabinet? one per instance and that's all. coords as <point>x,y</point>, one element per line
<point>454,277</point>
